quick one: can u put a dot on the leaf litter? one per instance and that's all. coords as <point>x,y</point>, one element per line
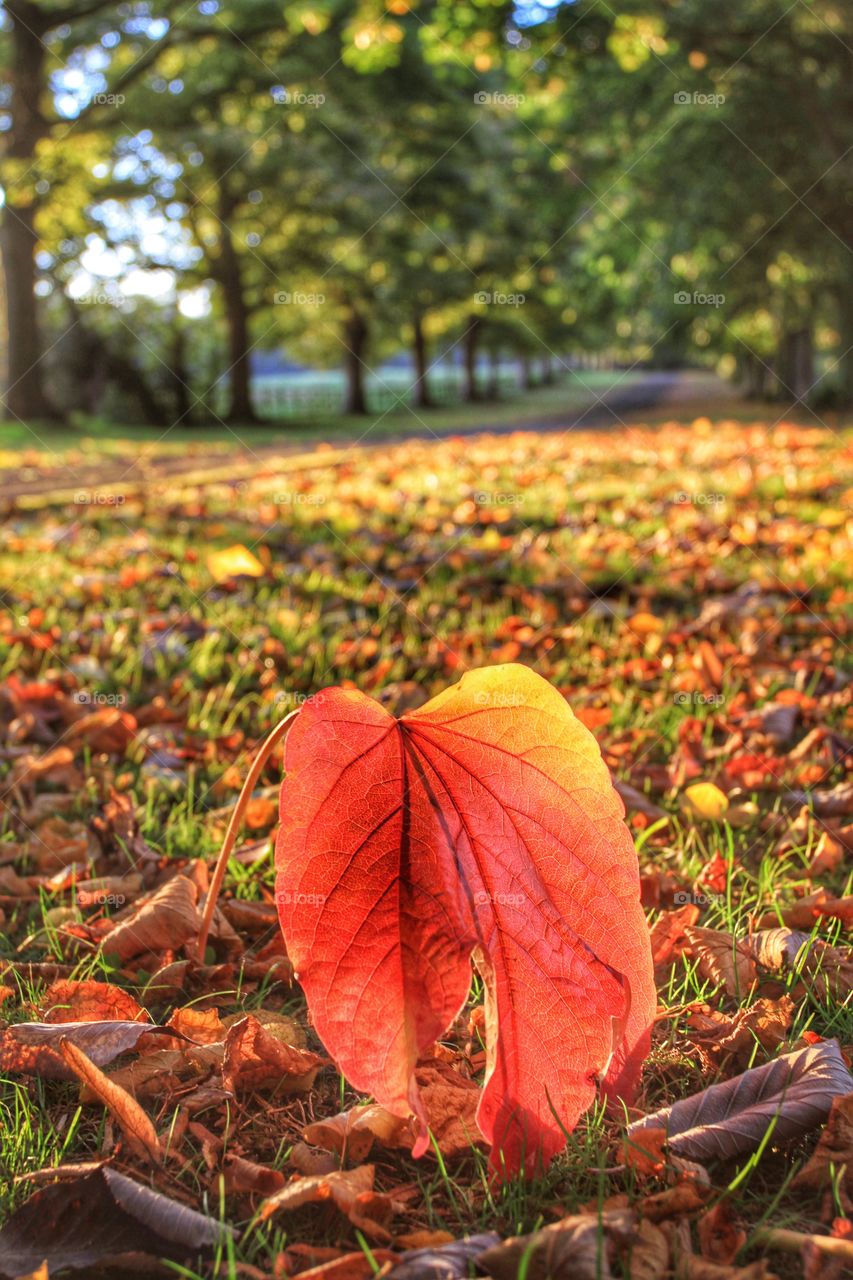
<point>705,647</point>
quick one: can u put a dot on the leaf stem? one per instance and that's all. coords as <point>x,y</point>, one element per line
<point>271,740</point>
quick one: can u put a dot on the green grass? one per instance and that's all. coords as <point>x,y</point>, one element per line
<point>572,393</point>
<point>404,569</point>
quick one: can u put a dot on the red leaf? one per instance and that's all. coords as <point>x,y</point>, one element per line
<point>483,824</point>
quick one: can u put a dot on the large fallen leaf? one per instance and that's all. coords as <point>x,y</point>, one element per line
<point>168,919</point>
<point>77,1224</point>
<point>482,824</point>
<point>793,1093</point>
<point>32,1048</point>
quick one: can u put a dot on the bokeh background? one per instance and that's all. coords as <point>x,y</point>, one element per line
<point>223,212</point>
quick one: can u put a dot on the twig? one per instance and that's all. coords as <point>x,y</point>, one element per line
<point>793,1241</point>
<point>234,827</point>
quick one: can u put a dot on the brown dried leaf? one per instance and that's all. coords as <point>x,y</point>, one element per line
<point>352,1266</point>
<point>246,1177</point>
<point>453,1261</point>
<point>668,932</point>
<point>134,1123</point>
<point>351,1134</point>
<point>57,843</point>
<point>451,1102</point>
<point>579,1247</point>
<point>107,729</point>
<point>201,1026</point>
<point>166,920</point>
<point>351,1190</point>
<point>722,959</point>
<point>88,1001</point>
<point>32,1048</point>
<point>79,1223</point>
<point>256,1059</point>
<point>794,1093</point>
<point>154,1075</point>
<point>834,1148</point>
<point>721,1235</point>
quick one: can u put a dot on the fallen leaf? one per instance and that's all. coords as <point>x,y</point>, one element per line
<point>234,562</point>
<point>722,959</point>
<point>793,1093</point>
<point>352,1266</point>
<point>134,1123</point>
<point>579,1247</point>
<point>452,1261</point>
<point>721,1234</point>
<point>704,800</point>
<point>202,1026</point>
<point>166,920</point>
<point>107,729</point>
<point>86,1000</point>
<point>57,843</point>
<point>669,932</point>
<point>78,1224</point>
<point>256,1059</point>
<point>833,1154</point>
<point>32,1048</point>
<point>351,1190</point>
<point>245,1176</point>
<point>351,1134</point>
<point>494,778</point>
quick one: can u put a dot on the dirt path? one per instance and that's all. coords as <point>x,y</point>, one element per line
<point>87,482</point>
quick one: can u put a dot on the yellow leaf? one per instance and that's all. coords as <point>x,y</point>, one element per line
<point>645,624</point>
<point>233,562</point>
<point>704,800</point>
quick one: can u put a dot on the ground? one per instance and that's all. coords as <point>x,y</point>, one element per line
<point>686,585</point>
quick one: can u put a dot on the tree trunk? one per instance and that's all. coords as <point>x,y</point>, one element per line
<point>184,400</point>
<point>355,341</point>
<point>549,375</point>
<point>25,395</point>
<point>495,375</point>
<point>423,399</point>
<point>230,276</point>
<point>471,343</point>
<point>528,381</point>
<point>754,375</point>
<point>795,363</point>
<point>845,367</point>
